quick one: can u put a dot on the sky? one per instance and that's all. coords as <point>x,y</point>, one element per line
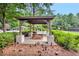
<point>66,8</point>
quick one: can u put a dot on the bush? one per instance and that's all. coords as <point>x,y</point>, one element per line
<point>69,40</point>
<point>6,38</point>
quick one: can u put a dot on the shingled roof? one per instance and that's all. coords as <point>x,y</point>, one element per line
<point>36,19</point>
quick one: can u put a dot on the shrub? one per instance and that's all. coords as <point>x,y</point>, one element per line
<point>69,40</point>
<point>6,38</point>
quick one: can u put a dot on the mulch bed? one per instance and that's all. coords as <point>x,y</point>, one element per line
<point>36,50</point>
<point>1,52</point>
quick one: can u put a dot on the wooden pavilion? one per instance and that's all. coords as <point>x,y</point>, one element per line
<point>34,36</point>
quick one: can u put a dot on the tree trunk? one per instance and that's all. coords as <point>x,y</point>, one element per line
<point>33,11</point>
<point>4,22</point>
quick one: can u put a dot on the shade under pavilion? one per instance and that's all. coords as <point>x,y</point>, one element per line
<point>36,20</point>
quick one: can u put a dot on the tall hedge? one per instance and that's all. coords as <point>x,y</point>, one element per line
<point>69,40</point>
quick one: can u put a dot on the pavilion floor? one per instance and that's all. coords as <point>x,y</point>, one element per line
<point>29,40</point>
<point>35,41</point>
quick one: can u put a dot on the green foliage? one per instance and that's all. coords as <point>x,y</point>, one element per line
<point>64,22</point>
<point>8,12</point>
<point>40,9</point>
<point>0,25</point>
<point>69,40</point>
<point>14,23</point>
<point>6,38</point>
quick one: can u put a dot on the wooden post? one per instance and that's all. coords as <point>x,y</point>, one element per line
<point>21,37</point>
<point>33,27</point>
<point>20,29</point>
<point>49,33</point>
<point>49,28</point>
<point>30,29</point>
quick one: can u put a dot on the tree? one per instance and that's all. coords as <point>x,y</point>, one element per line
<point>58,22</point>
<point>3,8</point>
<point>8,11</point>
<point>66,25</point>
<point>65,22</point>
<point>77,15</point>
<point>40,9</point>
<point>61,22</point>
<point>70,19</point>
